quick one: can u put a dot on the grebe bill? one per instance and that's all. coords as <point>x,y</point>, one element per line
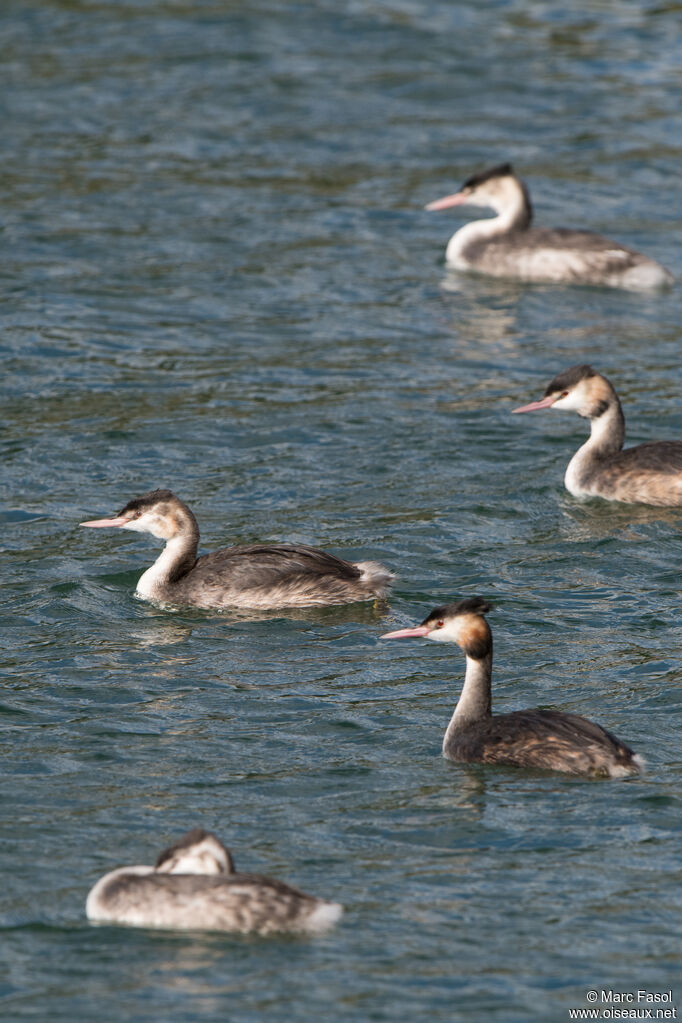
<point>258,576</point>
<point>194,886</point>
<point>535,738</point>
<point>507,245</point>
<point>645,474</point>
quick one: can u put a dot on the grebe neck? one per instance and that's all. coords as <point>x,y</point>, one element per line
<point>607,434</point>
<point>176,559</point>
<point>607,431</point>
<point>474,702</point>
<point>515,215</point>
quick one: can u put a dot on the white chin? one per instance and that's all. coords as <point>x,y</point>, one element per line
<point>134,525</point>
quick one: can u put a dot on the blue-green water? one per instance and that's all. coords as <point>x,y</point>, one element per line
<point>218,277</point>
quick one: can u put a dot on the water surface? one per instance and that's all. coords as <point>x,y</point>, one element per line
<point>218,277</point>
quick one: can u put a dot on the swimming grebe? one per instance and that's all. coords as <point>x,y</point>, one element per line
<point>250,576</point>
<point>646,474</point>
<point>507,246</point>
<point>525,738</point>
<point>194,886</point>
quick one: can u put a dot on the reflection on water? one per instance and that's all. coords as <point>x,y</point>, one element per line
<point>164,632</point>
<point>469,793</point>
<point>486,311</point>
<point>370,613</point>
<point>595,519</point>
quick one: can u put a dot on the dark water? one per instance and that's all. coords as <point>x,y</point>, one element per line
<point>217,276</point>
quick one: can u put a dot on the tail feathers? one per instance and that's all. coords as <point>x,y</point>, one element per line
<point>324,916</point>
<point>634,764</point>
<point>375,577</point>
<point>647,276</point>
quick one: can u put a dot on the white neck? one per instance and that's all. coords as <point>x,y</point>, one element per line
<point>607,433</point>
<point>476,231</point>
<point>474,701</point>
<point>156,578</point>
<point>514,215</point>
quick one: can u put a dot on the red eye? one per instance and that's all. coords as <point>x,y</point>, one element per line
<point>440,624</point>
<point>565,394</point>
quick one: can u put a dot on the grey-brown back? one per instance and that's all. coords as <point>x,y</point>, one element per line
<point>241,903</point>
<point>544,739</point>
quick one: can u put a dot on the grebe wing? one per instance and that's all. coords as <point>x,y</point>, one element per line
<point>580,253</point>
<point>546,253</point>
<point>563,238</point>
<point>664,456</point>
<point>267,564</point>
<point>575,726</point>
<point>540,738</point>
<point>234,902</point>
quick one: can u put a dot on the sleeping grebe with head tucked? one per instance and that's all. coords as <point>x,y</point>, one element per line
<point>645,474</point>
<point>194,886</point>
<point>250,576</point>
<point>547,739</point>
<point>507,245</point>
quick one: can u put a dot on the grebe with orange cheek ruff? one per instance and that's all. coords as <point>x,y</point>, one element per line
<point>507,246</point>
<point>545,739</point>
<point>249,576</point>
<point>646,474</point>
<point>194,886</point>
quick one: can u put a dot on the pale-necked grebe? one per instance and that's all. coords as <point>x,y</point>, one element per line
<point>249,576</point>
<point>507,246</point>
<point>194,886</point>
<point>646,474</point>
<point>525,738</point>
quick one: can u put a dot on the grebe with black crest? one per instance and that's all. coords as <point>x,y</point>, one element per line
<point>248,576</point>
<point>507,245</point>
<point>537,738</point>
<point>648,473</point>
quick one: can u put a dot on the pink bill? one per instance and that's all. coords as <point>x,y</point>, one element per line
<point>419,630</point>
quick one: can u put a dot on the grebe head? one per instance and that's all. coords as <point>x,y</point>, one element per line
<point>579,389</point>
<point>197,852</point>
<point>462,623</point>
<point>497,189</point>
<point>160,513</point>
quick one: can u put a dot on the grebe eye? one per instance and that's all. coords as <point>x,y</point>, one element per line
<point>564,394</point>
<point>440,624</point>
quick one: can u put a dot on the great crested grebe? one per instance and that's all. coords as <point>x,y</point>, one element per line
<point>194,886</point>
<point>525,738</point>
<point>646,474</point>
<point>249,576</point>
<point>507,246</point>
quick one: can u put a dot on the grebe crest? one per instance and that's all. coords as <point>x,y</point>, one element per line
<point>159,512</point>
<point>463,623</point>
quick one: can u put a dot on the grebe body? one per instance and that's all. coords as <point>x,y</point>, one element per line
<point>537,738</point>
<point>249,576</point>
<point>646,474</point>
<point>194,886</point>
<point>507,245</point>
